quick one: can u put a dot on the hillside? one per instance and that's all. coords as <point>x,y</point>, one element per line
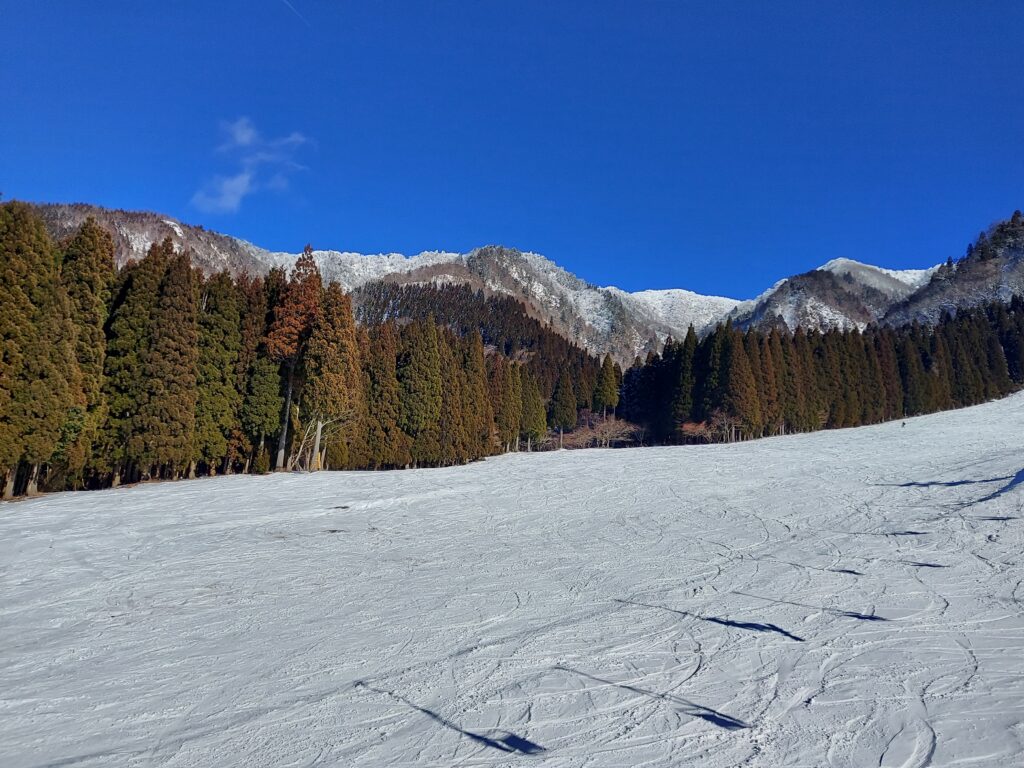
<point>849,598</point>
<point>841,294</point>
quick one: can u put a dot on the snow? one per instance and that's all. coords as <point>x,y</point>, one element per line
<point>351,270</point>
<point>175,226</point>
<point>842,598</point>
<point>678,308</point>
<point>873,276</point>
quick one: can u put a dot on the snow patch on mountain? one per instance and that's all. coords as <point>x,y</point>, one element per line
<point>869,274</point>
<point>678,308</point>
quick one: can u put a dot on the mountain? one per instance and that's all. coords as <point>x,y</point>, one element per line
<point>599,319</point>
<point>992,270</point>
<point>840,294</point>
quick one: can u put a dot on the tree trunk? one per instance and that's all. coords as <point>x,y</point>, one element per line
<point>9,484</point>
<point>287,417</point>
<point>316,446</point>
<point>559,438</point>
<point>191,470</point>
<point>33,481</point>
<point>529,443</point>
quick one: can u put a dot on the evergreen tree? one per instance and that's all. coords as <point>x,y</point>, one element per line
<point>534,421</point>
<point>87,272</point>
<point>218,397</point>
<point>129,338</point>
<point>295,313</point>
<point>39,373</point>
<point>606,393</point>
<point>333,393</point>
<point>419,379</point>
<point>562,413</point>
<point>387,445</point>
<point>163,434</point>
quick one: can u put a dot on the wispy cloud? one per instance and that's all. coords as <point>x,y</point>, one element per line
<point>260,163</point>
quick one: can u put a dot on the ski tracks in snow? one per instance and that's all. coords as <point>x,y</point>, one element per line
<point>849,598</point>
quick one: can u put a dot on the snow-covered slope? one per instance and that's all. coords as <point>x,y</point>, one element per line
<point>843,598</point>
<point>841,294</point>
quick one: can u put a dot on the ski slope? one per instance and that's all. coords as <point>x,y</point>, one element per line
<point>848,598</point>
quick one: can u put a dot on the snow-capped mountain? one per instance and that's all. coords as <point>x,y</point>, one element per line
<point>840,294</point>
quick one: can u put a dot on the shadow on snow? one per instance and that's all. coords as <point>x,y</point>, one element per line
<point>508,743</point>
<point>754,626</point>
<point>712,716</point>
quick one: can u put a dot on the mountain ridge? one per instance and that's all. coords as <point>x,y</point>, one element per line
<point>840,294</point>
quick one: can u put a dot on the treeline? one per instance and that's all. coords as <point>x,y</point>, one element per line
<point>156,371</point>
<point>734,385</point>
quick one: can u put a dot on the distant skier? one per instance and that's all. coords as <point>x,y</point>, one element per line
<point>904,424</point>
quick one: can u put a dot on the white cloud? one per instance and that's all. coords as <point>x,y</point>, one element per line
<point>224,194</point>
<point>260,164</point>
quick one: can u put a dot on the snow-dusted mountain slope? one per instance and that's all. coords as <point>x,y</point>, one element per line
<point>842,294</point>
<point>841,598</point>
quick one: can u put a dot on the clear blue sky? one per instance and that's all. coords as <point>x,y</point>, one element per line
<point>715,146</point>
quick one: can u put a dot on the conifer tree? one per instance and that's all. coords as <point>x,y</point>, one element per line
<point>163,433</point>
<point>562,413</point>
<point>294,315</point>
<point>39,373</point>
<point>534,421</point>
<point>87,272</point>
<point>479,415</point>
<point>739,388</point>
<point>387,445</point>
<point>454,448</point>
<point>218,396</point>
<point>606,393</point>
<point>419,378</point>
<point>129,337</point>
<point>333,394</point>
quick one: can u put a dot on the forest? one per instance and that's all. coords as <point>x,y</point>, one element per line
<point>156,371</point>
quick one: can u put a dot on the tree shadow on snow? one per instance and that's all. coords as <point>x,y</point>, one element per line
<point>1012,481</point>
<point>834,611</point>
<point>722,720</point>
<point>753,626</point>
<point>510,742</point>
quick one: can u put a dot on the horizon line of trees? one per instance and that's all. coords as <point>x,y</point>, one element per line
<point>156,371</point>
<point>735,385</point>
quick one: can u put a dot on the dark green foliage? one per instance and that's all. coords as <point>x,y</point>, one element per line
<point>754,384</point>
<point>218,396</point>
<point>562,412</point>
<point>387,445</point>
<point>163,430</point>
<point>419,380</point>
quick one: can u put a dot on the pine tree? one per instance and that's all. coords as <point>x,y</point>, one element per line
<point>739,388</point>
<point>419,378</point>
<point>218,396</point>
<point>294,315</point>
<point>162,442</point>
<point>129,338</point>
<point>534,421</point>
<point>39,373</point>
<point>452,429</point>
<point>477,408</point>
<point>387,445</point>
<point>606,393</point>
<point>333,395</point>
<point>87,272</point>
<point>562,413</point>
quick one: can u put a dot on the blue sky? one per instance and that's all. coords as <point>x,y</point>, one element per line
<point>712,146</point>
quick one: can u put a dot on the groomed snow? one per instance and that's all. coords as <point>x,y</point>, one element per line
<point>845,598</point>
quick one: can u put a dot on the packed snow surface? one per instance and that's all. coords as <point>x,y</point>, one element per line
<point>846,598</point>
